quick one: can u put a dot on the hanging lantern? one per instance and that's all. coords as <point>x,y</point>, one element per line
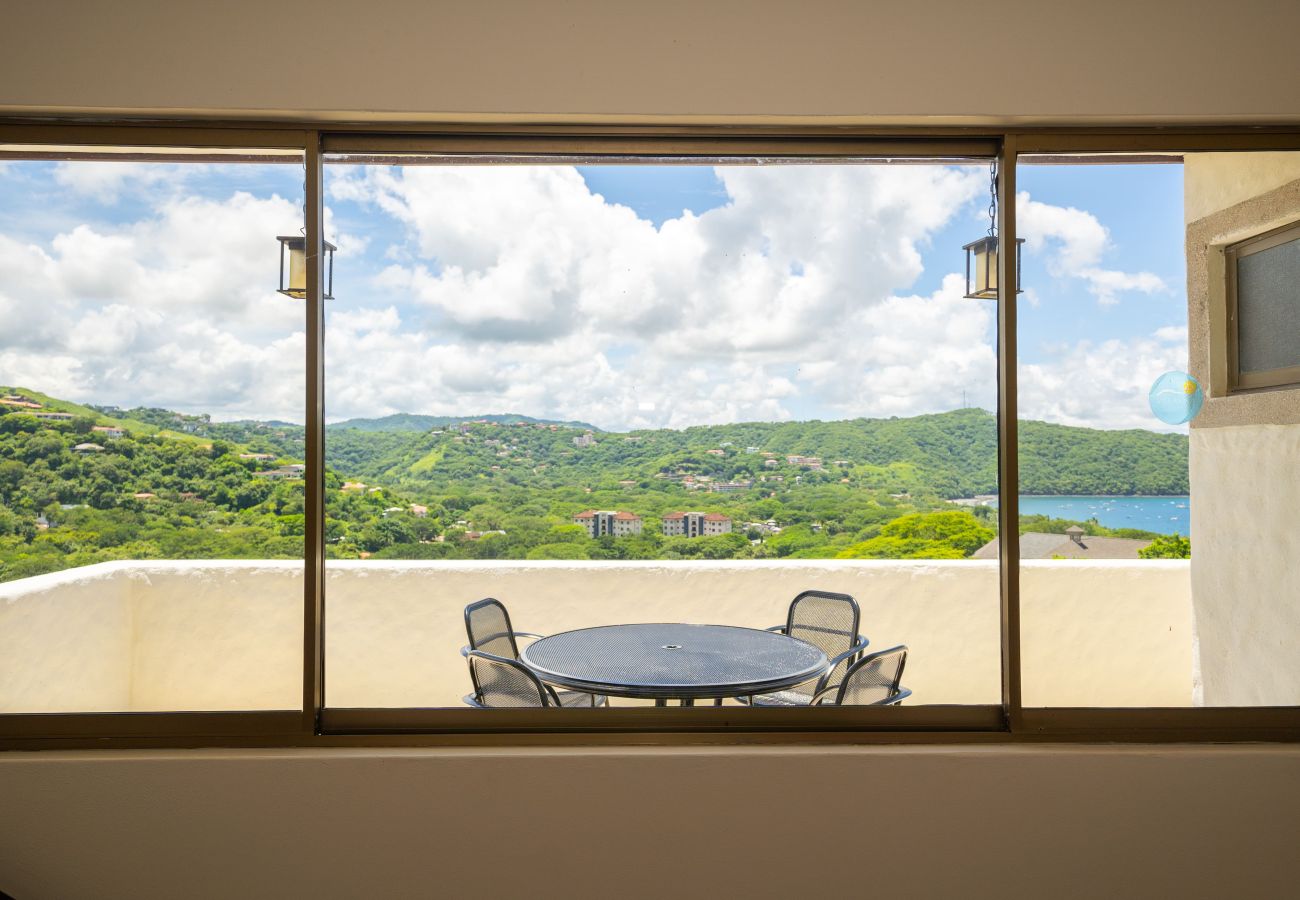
<point>293,276</point>
<point>982,255</point>
<point>982,268</point>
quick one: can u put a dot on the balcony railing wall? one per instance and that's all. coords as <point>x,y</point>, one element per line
<point>200,635</point>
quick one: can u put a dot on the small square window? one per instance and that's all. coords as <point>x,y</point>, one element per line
<point>1264,310</point>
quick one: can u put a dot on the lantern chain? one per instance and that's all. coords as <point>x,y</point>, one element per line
<point>993,198</point>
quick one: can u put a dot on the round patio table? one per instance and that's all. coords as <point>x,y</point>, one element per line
<point>684,662</point>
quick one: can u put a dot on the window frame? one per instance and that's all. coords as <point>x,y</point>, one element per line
<point>1239,381</point>
<point>314,725</point>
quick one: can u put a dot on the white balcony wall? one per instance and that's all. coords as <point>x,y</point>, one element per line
<point>66,641</point>
<point>226,635</point>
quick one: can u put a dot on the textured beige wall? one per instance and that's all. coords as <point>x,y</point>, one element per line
<point>1238,195</point>
<point>1216,181</point>
<point>1246,563</point>
<point>1109,633</point>
<point>217,636</point>
<point>393,630</point>
<point>200,635</point>
<point>1002,823</point>
<point>723,59</point>
<point>1244,453</point>
<point>66,641</point>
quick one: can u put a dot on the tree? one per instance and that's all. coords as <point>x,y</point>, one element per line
<point>1168,546</point>
<point>952,534</point>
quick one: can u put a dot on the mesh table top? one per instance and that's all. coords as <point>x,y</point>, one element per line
<point>674,661</point>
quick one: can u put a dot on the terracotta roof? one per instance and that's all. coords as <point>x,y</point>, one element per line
<point>626,516</point>
<point>717,517</point>
<point>668,516</point>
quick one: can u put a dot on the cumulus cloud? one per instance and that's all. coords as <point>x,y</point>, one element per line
<point>105,181</point>
<point>740,312</point>
<point>912,354</point>
<point>1102,384</point>
<point>177,309</point>
<point>1074,242</point>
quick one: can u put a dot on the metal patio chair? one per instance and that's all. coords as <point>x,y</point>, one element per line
<point>490,633</point>
<point>505,683</point>
<point>874,680</point>
<point>829,621</point>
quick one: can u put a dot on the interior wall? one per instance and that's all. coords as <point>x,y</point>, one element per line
<point>946,60</point>
<point>958,822</point>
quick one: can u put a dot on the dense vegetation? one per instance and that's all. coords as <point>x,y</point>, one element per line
<point>174,486</point>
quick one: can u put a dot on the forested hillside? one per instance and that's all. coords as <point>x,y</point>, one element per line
<point>91,484</point>
<point>949,455</point>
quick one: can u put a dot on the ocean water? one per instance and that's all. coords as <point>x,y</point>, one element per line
<point>1163,515</point>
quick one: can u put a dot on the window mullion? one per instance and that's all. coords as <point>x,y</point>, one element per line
<point>1008,431</point>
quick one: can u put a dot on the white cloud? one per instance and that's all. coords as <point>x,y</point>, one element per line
<point>178,309</point>
<point>105,181</point>
<point>1102,384</point>
<point>1076,241</point>
<point>913,354</point>
<point>519,286</point>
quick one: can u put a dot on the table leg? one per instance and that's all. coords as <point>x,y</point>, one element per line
<point>688,701</point>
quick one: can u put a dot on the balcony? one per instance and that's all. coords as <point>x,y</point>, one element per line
<point>200,635</point>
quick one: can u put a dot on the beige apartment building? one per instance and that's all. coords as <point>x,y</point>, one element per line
<point>602,522</point>
<point>695,524</point>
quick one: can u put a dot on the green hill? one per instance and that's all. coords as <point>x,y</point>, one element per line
<point>951,454</point>
<point>176,486</point>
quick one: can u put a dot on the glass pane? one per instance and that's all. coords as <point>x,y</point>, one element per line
<point>1268,307</point>
<point>151,436</point>
<point>1157,554</point>
<point>675,394</point>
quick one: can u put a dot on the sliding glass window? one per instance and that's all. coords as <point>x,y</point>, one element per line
<point>151,431</point>
<point>670,391</point>
<point>1157,496</point>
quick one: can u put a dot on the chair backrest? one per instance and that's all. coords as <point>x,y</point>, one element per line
<point>488,625</point>
<point>873,679</point>
<point>502,682</point>
<point>824,619</point>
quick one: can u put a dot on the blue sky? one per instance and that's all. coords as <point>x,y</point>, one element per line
<point>631,296</point>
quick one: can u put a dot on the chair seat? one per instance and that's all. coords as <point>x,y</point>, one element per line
<point>578,699</point>
<point>779,698</point>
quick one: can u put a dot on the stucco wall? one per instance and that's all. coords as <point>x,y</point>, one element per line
<point>211,635</point>
<point>66,642</point>
<point>1246,563</point>
<point>946,613</point>
<point>1216,181</point>
<point>1244,453</point>
<point>1234,196</point>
